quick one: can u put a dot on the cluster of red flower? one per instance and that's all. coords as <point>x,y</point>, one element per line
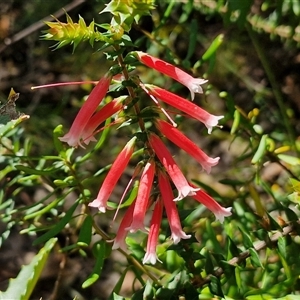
<point>160,163</point>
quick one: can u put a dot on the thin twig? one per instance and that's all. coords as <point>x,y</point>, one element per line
<point>38,25</point>
<point>58,280</point>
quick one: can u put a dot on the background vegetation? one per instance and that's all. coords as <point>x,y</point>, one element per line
<point>249,52</point>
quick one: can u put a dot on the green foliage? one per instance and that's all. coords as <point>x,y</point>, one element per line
<point>253,255</point>
<point>22,286</point>
<point>73,33</point>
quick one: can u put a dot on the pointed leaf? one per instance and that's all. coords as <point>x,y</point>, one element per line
<point>215,286</point>
<point>85,234</point>
<point>58,227</point>
<point>148,291</point>
<point>99,251</point>
<point>116,297</point>
<point>233,250</point>
<point>247,242</point>
<point>213,47</point>
<point>58,132</point>
<point>32,171</point>
<point>209,267</point>
<point>282,246</point>
<point>255,258</point>
<point>22,286</point>
<point>273,224</point>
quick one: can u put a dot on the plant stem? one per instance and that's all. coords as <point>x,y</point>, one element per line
<point>130,90</point>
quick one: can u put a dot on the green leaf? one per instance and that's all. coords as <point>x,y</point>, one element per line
<point>236,121</point>
<point>135,248</point>
<point>217,42</point>
<point>255,258</point>
<point>291,215</point>
<point>209,266</point>
<point>262,147</point>
<point>163,293</point>
<point>282,246</point>
<point>247,242</point>
<point>38,211</point>
<point>148,291</point>
<point>32,171</point>
<point>212,236</point>
<point>273,224</point>
<point>178,280</point>
<point>10,126</point>
<point>22,286</point>
<point>114,296</point>
<point>58,132</point>
<point>4,235</point>
<point>233,250</point>
<point>291,160</point>
<point>172,261</point>
<point>239,281</point>
<point>215,286</point>
<point>58,227</point>
<point>227,268</point>
<point>85,234</point>
<point>295,184</point>
<point>99,250</point>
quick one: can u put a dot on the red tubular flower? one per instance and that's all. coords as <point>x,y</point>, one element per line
<point>171,210</point>
<point>151,256</point>
<point>119,241</point>
<point>178,138</point>
<point>193,84</point>
<point>219,211</point>
<point>184,189</point>
<point>73,137</point>
<point>113,176</point>
<point>142,199</point>
<point>187,107</point>
<point>100,116</point>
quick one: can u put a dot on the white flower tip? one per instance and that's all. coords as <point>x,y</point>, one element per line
<point>115,246</point>
<point>150,258</point>
<point>71,141</point>
<point>225,212</point>
<point>89,139</point>
<point>195,86</point>
<point>131,230</point>
<point>119,244</point>
<point>135,226</point>
<point>212,122</point>
<point>176,237</point>
<point>98,205</point>
<point>186,191</point>
<point>211,162</point>
<point>178,198</point>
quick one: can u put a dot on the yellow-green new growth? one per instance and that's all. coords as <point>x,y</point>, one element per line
<point>73,33</point>
<point>126,12</point>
